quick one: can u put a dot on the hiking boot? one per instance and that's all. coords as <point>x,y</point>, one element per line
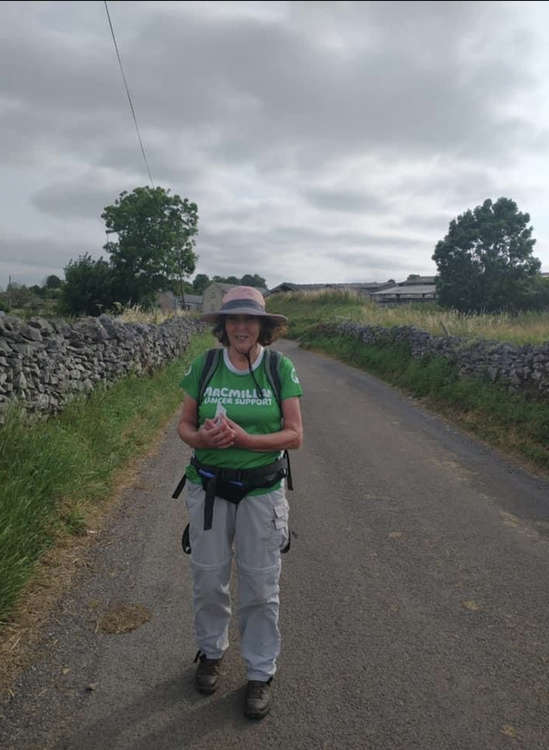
<point>258,699</point>
<point>207,673</point>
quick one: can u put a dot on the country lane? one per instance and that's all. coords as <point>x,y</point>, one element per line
<point>414,600</point>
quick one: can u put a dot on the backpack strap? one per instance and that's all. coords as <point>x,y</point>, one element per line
<point>272,362</point>
<point>213,357</point>
<point>210,366</point>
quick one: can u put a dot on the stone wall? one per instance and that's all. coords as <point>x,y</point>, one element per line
<point>518,367</point>
<point>44,363</point>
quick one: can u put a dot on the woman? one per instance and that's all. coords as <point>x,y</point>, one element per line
<point>235,490</point>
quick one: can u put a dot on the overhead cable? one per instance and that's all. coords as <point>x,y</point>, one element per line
<point>129,96</point>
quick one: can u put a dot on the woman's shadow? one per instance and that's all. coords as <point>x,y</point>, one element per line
<point>171,715</point>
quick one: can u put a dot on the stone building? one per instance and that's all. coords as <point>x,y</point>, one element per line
<point>213,294</point>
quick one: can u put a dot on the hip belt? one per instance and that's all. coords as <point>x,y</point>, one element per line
<point>234,484</point>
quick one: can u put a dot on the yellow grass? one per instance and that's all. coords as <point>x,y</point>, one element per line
<point>525,328</point>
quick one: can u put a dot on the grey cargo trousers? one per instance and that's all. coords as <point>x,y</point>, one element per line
<point>255,530</point>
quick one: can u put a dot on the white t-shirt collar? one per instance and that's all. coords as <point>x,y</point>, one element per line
<point>229,365</point>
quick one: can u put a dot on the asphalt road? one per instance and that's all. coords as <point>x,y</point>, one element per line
<point>415,601</point>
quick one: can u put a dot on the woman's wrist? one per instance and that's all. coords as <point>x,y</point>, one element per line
<point>246,441</point>
<point>192,438</point>
<point>199,442</point>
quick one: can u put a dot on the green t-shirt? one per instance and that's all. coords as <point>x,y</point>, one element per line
<point>237,392</point>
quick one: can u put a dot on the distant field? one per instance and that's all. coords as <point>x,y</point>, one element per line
<point>305,309</point>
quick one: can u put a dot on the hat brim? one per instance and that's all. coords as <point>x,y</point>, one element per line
<point>213,316</point>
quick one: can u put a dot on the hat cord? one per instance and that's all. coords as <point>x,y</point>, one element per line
<point>258,387</point>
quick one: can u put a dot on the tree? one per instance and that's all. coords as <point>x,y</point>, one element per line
<point>39,291</point>
<point>246,280</point>
<point>53,282</point>
<point>200,282</point>
<point>227,280</point>
<point>156,236</point>
<point>534,293</point>
<point>253,280</point>
<point>20,297</point>
<point>486,259</point>
<point>88,288</point>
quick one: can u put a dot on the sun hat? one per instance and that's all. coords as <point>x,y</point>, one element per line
<point>243,300</point>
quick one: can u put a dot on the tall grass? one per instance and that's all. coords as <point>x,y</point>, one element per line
<point>524,328</point>
<point>308,308</point>
<point>51,471</point>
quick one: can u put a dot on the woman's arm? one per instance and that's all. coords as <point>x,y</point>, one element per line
<point>290,436</point>
<point>210,435</point>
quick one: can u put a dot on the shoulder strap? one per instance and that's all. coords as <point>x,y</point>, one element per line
<point>272,362</point>
<point>213,357</point>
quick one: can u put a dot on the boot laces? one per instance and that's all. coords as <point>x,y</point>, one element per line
<point>257,689</point>
<point>207,666</point>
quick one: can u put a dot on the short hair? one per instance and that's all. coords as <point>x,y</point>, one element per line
<point>270,330</point>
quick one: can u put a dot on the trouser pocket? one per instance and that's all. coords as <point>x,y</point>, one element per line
<point>280,522</point>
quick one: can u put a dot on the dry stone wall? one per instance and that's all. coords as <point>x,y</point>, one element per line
<point>517,367</point>
<point>45,363</point>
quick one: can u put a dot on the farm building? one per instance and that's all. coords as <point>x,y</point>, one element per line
<point>415,289</point>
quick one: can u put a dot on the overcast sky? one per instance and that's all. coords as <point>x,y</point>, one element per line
<point>321,141</point>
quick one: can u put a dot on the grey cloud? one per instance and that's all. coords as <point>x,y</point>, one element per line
<point>330,238</point>
<point>388,96</point>
<point>260,117</point>
<point>277,263</point>
<point>254,86</point>
<point>436,223</point>
<point>82,198</point>
<point>73,199</point>
<point>235,249</point>
<point>271,84</point>
<point>453,186</point>
<point>39,252</point>
<point>352,201</point>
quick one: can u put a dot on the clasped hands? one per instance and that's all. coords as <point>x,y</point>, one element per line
<point>222,432</point>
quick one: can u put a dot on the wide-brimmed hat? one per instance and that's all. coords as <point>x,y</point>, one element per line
<point>243,300</point>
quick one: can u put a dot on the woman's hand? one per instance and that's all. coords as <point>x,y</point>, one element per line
<point>241,437</point>
<point>217,434</point>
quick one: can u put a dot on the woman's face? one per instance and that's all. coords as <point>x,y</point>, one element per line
<point>242,331</point>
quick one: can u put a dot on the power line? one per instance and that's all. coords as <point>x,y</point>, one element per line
<point>129,96</point>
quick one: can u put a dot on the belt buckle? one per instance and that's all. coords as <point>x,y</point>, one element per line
<point>238,478</point>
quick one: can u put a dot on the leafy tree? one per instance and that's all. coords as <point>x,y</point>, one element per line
<point>39,291</point>
<point>246,280</point>
<point>533,293</point>
<point>88,288</point>
<point>156,236</point>
<point>485,260</point>
<point>53,282</point>
<point>200,282</point>
<point>20,297</point>
<point>253,280</point>
<point>227,280</point>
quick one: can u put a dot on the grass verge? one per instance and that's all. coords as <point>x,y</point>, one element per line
<point>53,471</point>
<point>516,423</point>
